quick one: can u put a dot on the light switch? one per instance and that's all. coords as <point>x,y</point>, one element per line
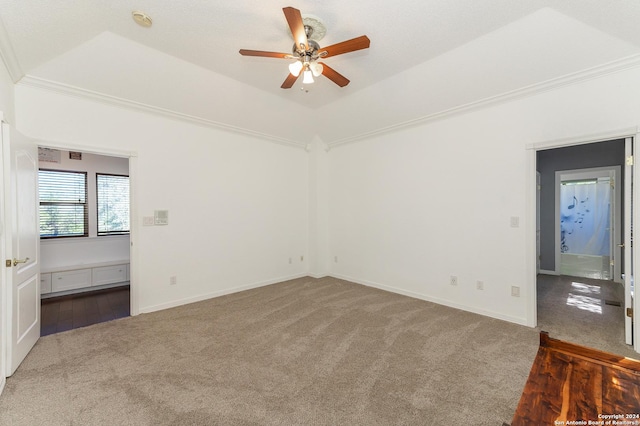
<point>515,222</point>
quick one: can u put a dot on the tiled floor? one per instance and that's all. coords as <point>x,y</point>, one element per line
<point>74,311</point>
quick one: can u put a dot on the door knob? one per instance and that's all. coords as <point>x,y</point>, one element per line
<point>621,245</point>
<point>16,261</point>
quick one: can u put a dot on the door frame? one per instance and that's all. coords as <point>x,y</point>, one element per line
<point>530,198</point>
<point>133,167</point>
<point>616,218</point>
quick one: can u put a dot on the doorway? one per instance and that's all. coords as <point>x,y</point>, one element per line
<point>604,299</point>
<point>589,223</point>
<point>84,238</point>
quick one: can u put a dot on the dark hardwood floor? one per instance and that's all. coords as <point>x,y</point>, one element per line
<point>79,310</point>
<point>572,384</point>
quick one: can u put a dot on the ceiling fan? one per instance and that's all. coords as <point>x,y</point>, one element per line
<point>307,52</point>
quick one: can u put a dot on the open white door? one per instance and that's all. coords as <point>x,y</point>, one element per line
<point>538,222</point>
<point>627,244</point>
<point>22,245</point>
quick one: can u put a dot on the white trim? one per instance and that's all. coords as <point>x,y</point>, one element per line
<point>134,282</point>
<point>533,89</point>
<point>318,276</point>
<point>108,151</point>
<point>531,244</point>
<point>8,55</point>
<point>206,296</point>
<point>437,300</point>
<point>65,89</point>
<point>626,132</point>
<point>627,238</point>
<point>636,253</point>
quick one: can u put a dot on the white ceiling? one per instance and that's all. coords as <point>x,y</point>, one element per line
<point>427,57</point>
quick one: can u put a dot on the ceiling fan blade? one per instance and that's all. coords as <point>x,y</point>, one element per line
<point>246,52</point>
<point>352,45</point>
<point>334,75</point>
<point>294,19</point>
<point>288,82</point>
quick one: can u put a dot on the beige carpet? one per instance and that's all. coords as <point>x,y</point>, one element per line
<point>583,311</point>
<point>302,352</point>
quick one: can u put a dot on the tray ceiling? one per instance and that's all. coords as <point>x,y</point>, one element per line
<point>427,57</point>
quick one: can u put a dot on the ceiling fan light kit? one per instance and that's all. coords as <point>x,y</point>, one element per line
<point>306,32</point>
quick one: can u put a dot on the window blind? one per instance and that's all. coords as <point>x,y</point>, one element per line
<point>63,204</point>
<point>113,204</point>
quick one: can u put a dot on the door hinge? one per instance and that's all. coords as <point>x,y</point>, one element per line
<point>630,312</point>
<point>629,160</point>
<point>7,263</point>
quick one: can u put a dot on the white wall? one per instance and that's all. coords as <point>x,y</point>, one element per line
<point>411,208</point>
<point>238,206</point>
<point>61,252</point>
<point>404,211</point>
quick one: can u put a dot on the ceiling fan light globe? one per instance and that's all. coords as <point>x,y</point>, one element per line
<point>316,69</point>
<point>308,77</point>
<point>295,68</point>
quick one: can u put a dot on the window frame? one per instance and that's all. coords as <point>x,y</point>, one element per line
<point>85,205</point>
<point>110,233</point>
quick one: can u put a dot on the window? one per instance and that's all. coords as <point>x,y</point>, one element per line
<point>63,204</point>
<point>113,204</point>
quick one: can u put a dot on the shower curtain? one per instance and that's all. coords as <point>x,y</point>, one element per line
<point>585,211</point>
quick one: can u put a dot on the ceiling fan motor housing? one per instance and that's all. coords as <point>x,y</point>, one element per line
<point>312,52</point>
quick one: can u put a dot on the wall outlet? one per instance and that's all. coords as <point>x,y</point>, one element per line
<point>515,221</point>
<point>301,258</point>
<point>148,221</point>
<point>480,285</point>
<point>290,261</point>
<point>453,280</point>
<point>173,280</point>
<point>515,291</point>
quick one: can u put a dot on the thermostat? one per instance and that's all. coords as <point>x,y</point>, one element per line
<point>161,217</point>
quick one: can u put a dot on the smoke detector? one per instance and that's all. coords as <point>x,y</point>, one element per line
<point>142,18</point>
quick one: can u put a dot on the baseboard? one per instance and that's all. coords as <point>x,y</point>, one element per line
<point>199,298</point>
<point>437,300</point>
<point>545,272</point>
<point>317,275</point>
<point>3,382</point>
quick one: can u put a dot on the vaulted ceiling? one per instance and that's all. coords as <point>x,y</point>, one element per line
<point>428,58</point>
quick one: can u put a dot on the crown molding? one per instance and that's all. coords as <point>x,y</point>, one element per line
<point>9,56</point>
<point>65,89</point>
<point>618,65</point>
